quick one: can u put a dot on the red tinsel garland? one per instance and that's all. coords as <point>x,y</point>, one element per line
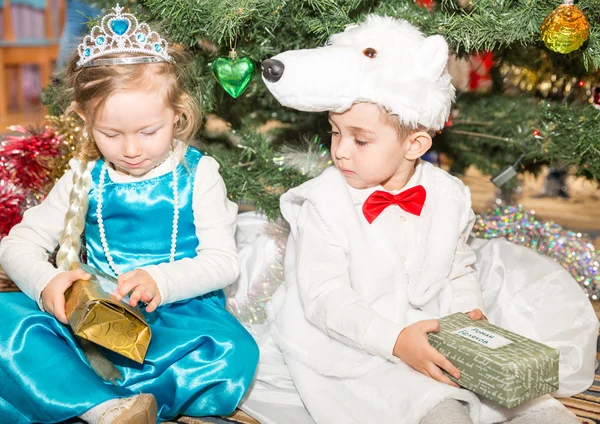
<point>12,207</point>
<point>23,157</point>
<point>25,174</point>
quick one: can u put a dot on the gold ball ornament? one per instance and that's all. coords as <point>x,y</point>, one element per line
<point>565,29</point>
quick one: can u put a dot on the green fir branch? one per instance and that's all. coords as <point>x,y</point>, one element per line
<point>262,28</point>
<point>250,174</point>
<point>569,135</point>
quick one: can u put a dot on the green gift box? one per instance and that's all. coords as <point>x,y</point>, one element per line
<point>495,363</point>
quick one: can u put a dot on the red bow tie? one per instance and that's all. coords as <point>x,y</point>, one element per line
<point>410,200</point>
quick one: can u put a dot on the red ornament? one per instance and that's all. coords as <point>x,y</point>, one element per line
<point>425,3</point>
<point>481,64</point>
<point>596,98</point>
<point>535,133</point>
<point>581,83</point>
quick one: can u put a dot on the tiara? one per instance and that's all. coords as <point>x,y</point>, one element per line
<point>121,33</point>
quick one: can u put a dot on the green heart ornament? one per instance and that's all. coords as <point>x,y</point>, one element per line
<point>234,74</point>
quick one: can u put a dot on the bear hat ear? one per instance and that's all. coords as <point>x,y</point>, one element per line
<point>433,54</point>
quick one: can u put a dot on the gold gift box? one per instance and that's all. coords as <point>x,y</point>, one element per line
<point>97,315</point>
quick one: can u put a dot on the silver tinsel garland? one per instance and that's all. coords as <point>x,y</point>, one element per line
<point>572,250</point>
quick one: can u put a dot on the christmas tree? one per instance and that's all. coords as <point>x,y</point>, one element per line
<point>539,59</point>
<point>527,99</point>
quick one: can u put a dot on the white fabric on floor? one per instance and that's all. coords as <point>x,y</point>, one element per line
<point>524,292</point>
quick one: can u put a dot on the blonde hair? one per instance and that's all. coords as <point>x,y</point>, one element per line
<point>89,89</point>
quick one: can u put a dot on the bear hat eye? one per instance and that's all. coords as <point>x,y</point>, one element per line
<point>370,52</point>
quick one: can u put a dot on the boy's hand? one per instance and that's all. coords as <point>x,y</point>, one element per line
<point>477,315</point>
<point>413,348</point>
<point>145,287</point>
<point>53,295</point>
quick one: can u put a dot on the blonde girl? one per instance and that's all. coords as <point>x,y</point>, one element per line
<point>155,213</point>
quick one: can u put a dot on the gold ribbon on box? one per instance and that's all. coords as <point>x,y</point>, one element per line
<point>97,315</point>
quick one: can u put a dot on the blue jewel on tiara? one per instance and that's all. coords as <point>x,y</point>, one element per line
<point>120,32</point>
<point>119,26</point>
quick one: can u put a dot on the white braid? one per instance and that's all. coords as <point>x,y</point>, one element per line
<point>70,239</point>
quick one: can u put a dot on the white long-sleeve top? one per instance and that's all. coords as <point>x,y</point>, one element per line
<point>24,251</point>
<point>351,287</point>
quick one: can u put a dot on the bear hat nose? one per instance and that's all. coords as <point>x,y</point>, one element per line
<point>272,69</point>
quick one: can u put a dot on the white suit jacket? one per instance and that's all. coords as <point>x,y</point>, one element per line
<point>347,295</point>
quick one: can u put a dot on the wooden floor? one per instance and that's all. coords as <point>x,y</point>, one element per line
<point>580,212</point>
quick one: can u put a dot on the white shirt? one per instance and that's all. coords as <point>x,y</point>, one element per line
<point>24,251</point>
<point>399,226</point>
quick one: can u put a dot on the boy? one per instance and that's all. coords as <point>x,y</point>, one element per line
<point>378,246</point>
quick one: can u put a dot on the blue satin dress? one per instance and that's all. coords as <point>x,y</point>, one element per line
<point>200,361</point>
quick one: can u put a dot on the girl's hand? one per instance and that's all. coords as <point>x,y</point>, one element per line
<point>144,288</point>
<point>413,348</point>
<point>477,315</point>
<point>53,295</point>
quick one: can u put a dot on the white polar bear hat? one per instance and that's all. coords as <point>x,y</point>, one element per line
<point>383,60</point>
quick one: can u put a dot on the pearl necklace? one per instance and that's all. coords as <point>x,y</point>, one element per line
<point>109,257</point>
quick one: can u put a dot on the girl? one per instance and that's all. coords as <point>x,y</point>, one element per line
<point>155,213</point>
